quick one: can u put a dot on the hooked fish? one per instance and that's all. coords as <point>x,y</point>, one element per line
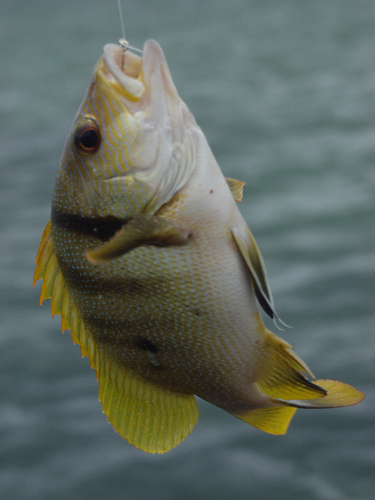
<point>151,266</point>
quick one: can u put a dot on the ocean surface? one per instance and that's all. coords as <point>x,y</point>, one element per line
<point>285,93</point>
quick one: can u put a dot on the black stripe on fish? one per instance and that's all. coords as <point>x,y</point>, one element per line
<point>85,281</point>
<point>102,228</point>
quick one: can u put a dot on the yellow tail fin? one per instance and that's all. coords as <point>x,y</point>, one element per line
<point>274,420</point>
<point>288,389</point>
<point>338,395</point>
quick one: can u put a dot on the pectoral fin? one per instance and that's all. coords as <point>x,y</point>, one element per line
<point>142,230</point>
<point>236,188</point>
<point>150,417</point>
<point>253,258</point>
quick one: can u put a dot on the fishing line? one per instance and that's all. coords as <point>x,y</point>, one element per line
<point>121,21</point>
<point>123,41</point>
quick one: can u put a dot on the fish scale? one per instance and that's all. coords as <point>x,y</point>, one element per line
<point>150,264</point>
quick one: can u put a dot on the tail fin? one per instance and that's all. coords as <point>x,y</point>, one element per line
<point>338,395</point>
<point>288,389</point>
<point>273,420</point>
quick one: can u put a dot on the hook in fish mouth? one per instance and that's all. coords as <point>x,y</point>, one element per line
<point>140,76</point>
<point>126,68</point>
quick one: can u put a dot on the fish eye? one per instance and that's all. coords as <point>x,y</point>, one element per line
<point>87,137</point>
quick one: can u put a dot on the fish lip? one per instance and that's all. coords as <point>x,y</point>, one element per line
<point>140,77</point>
<point>125,67</point>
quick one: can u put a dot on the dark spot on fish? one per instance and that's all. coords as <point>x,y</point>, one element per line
<point>145,344</point>
<point>157,367</point>
<point>102,228</point>
<point>197,311</point>
<point>211,191</point>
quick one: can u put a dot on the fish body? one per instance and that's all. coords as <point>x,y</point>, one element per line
<point>151,265</point>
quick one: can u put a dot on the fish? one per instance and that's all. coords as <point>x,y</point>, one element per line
<point>150,264</point>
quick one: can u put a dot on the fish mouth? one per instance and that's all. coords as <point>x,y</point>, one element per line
<point>125,67</point>
<point>145,80</point>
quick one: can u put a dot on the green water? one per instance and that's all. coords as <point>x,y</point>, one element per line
<point>285,92</point>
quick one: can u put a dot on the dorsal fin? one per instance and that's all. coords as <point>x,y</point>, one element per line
<point>53,287</point>
<point>150,417</point>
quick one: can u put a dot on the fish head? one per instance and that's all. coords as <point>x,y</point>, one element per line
<point>132,144</point>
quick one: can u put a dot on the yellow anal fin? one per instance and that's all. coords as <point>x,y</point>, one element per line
<point>149,417</point>
<point>144,229</point>
<point>338,394</point>
<point>274,420</point>
<point>236,188</point>
<point>282,376</point>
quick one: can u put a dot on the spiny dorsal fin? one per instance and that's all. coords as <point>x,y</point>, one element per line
<point>253,258</point>
<point>53,287</point>
<point>236,188</point>
<point>149,417</point>
<point>144,229</point>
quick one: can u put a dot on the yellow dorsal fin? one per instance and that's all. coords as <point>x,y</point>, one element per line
<point>53,287</point>
<point>282,376</point>
<point>148,416</point>
<point>236,188</point>
<point>274,420</point>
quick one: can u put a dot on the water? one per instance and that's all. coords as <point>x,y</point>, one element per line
<point>284,91</point>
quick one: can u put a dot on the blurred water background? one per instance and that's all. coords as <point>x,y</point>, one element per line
<point>285,93</point>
